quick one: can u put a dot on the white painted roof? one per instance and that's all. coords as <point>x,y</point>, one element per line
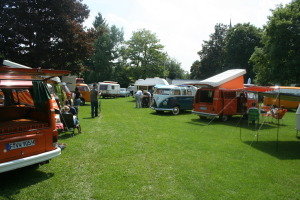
<point>14,65</point>
<point>223,77</point>
<point>151,82</point>
<point>166,86</point>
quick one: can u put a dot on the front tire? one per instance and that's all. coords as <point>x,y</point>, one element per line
<point>176,110</point>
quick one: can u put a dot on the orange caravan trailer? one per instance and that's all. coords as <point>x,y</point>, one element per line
<point>223,95</point>
<point>28,135</point>
<point>269,101</point>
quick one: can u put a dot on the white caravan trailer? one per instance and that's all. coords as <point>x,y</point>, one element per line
<point>109,89</point>
<point>148,84</point>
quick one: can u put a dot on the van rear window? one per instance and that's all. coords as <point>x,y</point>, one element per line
<point>204,96</point>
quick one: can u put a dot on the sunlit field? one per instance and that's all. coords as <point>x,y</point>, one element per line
<point>130,153</point>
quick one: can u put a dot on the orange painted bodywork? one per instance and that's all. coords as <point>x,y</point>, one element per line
<point>237,83</point>
<point>282,103</point>
<point>223,100</point>
<point>20,123</point>
<point>85,91</point>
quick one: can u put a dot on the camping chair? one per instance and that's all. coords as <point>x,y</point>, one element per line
<point>266,113</point>
<point>279,113</point>
<point>253,116</point>
<point>69,124</point>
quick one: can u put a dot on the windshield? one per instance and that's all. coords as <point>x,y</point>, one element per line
<point>162,91</point>
<point>83,88</point>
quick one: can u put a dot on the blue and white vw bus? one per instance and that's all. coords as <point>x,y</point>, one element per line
<point>173,98</point>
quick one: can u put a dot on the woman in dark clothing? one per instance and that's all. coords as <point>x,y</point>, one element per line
<point>77,100</point>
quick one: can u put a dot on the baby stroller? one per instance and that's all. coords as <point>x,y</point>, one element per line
<point>69,123</point>
<point>146,100</point>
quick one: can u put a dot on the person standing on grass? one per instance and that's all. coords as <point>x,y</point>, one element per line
<point>77,99</point>
<point>138,98</point>
<point>94,101</point>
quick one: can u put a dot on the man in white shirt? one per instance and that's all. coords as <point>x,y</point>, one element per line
<point>138,98</point>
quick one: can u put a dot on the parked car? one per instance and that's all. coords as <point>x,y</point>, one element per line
<point>124,92</point>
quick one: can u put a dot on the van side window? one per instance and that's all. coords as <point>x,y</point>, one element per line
<point>23,97</point>
<point>229,95</point>
<point>176,92</point>
<point>184,92</point>
<point>103,87</point>
<point>189,92</point>
<point>112,87</point>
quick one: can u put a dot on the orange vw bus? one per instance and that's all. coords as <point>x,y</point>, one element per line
<point>28,136</point>
<point>223,96</point>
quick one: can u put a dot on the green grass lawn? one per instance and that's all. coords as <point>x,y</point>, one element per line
<point>131,153</point>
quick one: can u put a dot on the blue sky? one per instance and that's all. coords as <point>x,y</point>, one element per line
<point>181,25</point>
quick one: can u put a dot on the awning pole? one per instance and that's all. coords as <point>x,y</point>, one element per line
<point>278,123</point>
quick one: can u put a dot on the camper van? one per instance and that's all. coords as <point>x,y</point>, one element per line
<point>72,82</point>
<point>223,95</point>
<point>109,89</point>
<point>173,98</point>
<point>28,135</point>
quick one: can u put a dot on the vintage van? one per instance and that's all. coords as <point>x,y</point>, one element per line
<point>223,96</point>
<point>109,89</point>
<point>72,82</point>
<point>85,92</point>
<point>28,135</point>
<point>173,98</point>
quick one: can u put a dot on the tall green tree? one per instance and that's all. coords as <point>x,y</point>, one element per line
<point>240,43</point>
<point>107,44</point>
<point>173,69</point>
<point>47,34</point>
<point>212,55</point>
<point>278,61</point>
<point>145,55</point>
<point>195,70</point>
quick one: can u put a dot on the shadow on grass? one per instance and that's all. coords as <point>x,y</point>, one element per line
<point>68,134</point>
<point>88,118</point>
<point>13,181</point>
<point>287,150</point>
<point>233,122</point>
<point>169,113</point>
